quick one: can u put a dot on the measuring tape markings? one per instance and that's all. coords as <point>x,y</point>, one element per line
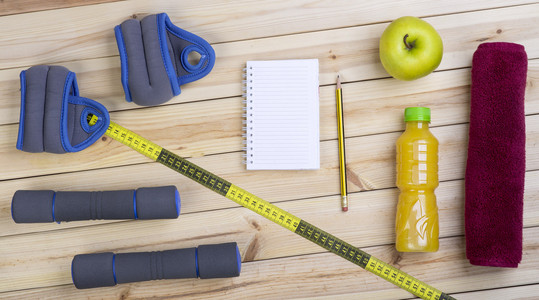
<point>273,213</point>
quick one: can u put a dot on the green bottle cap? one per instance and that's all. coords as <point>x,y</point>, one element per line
<point>417,114</point>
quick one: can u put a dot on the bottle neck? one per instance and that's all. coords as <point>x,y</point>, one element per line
<point>417,125</point>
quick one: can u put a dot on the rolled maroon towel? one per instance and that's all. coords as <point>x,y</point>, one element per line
<point>496,156</point>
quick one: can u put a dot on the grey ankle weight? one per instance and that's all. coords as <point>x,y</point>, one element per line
<point>153,55</point>
<point>53,115</point>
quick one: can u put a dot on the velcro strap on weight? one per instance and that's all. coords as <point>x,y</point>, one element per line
<point>53,115</point>
<point>154,62</point>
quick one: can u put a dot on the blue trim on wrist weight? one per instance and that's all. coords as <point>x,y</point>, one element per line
<point>20,136</point>
<point>123,62</point>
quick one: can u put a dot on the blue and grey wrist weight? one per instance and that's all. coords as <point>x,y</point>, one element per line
<point>109,269</point>
<point>53,116</point>
<point>49,206</point>
<point>154,58</point>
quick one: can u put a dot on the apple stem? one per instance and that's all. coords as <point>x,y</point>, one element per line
<point>406,42</point>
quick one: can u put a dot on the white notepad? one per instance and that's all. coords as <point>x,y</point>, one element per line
<point>282,115</point>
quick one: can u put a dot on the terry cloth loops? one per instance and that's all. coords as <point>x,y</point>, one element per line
<point>53,116</point>
<point>154,62</point>
<point>496,163</point>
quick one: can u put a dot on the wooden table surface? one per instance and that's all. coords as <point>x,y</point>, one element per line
<point>204,124</point>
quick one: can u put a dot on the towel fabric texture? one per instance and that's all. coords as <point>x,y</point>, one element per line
<point>495,168</point>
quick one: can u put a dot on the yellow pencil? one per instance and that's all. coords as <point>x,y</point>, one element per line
<point>342,156</point>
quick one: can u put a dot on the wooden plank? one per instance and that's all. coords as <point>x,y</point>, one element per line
<point>35,258</point>
<point>527,292</point>
<point>86,32</point>
<point>370,221</point>
<point>353,52</point>
<point>370,159</point>
<point>326,275</point>
<point>12,7</point>
<point>217,123</point>
<point>369,166</point>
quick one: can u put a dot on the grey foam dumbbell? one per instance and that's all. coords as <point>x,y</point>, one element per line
<point>49,206</point>
<point>109,269</point>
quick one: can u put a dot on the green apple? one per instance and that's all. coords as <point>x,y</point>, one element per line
<point>410,48</point>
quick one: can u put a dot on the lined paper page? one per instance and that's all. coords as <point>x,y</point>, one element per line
<point>282,115</point>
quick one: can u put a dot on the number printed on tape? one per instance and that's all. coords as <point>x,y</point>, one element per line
<point>273,213</point>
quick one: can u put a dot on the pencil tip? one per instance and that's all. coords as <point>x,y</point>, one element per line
<point>338,81</point>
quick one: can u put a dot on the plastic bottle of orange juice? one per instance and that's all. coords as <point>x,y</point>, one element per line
<point>417,177</point>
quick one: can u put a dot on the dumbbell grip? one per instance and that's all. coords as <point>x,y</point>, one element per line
<point>49,206</point>
<point>109,269</point>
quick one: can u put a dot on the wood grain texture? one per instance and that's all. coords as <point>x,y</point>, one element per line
<point>370,157</point>
<point>326,274</point>
<point>211,127</point>
<point>204,124</point>
<point>373,215</point>
<point>90,31</point>
<point>12,7</point>
<point>370,162</point>
<point>353,52</point>
<point>527,292</point>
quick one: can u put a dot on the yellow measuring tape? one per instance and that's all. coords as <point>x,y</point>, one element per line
<point>273,213</point>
